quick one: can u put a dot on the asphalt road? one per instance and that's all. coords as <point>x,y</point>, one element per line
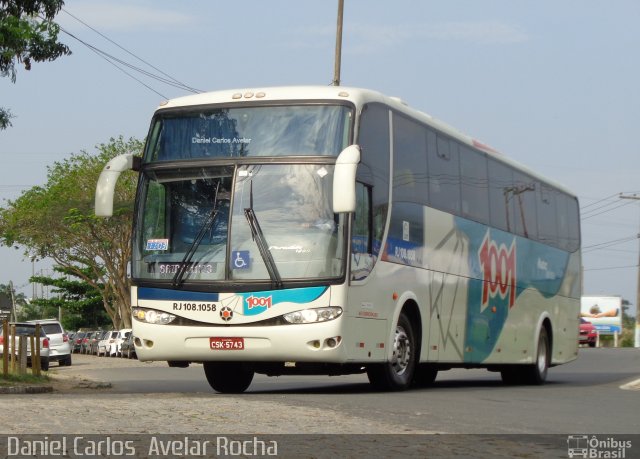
<point>582,396</point>
<point>133,403</point>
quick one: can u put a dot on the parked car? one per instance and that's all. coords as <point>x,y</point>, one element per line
<point>127,348</point>
<point>77,341</point>
<point>95,339</point>
<point>84,344</point>
<point>588,333</point>
<point>106,343</point>
<point>59,345</point>
<point>28,329</point>
<point>120,337</point>
<point>72,337</point>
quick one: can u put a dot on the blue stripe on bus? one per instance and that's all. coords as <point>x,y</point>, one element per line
<point>258,302</point>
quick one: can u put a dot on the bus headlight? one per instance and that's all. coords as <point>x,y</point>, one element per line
<point>310,316</point>
<point>151,316</point>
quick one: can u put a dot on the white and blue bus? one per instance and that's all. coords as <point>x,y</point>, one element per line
<point>334,230</point>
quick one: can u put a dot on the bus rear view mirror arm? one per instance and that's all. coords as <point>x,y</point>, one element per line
<point>105,188</point>
<point>344,180</point>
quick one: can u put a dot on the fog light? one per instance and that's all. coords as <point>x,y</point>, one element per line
<point>333,342</point>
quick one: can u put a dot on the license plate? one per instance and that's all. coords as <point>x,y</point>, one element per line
<point>226,344</point>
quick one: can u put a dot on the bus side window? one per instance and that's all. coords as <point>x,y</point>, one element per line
<point>362,258</point>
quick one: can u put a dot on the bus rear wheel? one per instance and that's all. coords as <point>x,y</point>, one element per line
<point>228,377</point>
<point>536,373</point>
<point>397,374</point>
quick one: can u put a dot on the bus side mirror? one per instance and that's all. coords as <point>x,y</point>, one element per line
<point>344,180</point>
<point>106,186</point>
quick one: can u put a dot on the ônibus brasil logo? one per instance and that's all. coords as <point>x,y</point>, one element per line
<point>498,271</point>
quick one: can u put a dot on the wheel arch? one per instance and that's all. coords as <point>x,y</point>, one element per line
<point>544,321</point>
<point>407,303</point>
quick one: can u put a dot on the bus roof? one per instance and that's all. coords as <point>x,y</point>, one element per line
<point>357,96</point>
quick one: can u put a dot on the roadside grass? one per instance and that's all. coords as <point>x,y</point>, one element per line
<point>12,379</point>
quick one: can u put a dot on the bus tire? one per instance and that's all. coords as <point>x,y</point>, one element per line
<point>425,375</point>
<point>536,373</point>
<point>397,374</point>
<point>228,377</point>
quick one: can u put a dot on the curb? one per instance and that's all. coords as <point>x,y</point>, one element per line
<point>26,389</point>
<point>633,385</point>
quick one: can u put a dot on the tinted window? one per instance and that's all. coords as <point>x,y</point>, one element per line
<point>524,197</point>
<point>568,223</point>
<point>374,141</point>
<point>52,329</point>
<point>547,215</point>
<point>474,185</point>
<point>410,161</point>
<point>501,195</point>
<point>444,173</point>
<point>307,130</point>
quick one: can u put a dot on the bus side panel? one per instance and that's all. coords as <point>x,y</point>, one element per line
<point>446,261</point>
<point>366,339</point>
<point>516,284</point>
<point>483,293</point>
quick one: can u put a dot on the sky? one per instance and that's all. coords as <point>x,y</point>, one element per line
<point>552,84</point>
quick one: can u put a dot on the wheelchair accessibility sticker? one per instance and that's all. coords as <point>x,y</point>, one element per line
<point>240,259</point>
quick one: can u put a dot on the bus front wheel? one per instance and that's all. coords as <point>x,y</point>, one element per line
<point>397,374</point>
<point>228,377</point>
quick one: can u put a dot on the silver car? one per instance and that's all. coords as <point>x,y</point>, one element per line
<point>59,345</point>
<point>28,329</point>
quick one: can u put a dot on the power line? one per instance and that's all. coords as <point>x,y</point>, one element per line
<point>610,268</point>
<point>104,56</point>
<point>604,245</point>
<point>183,85</point>
<point>591,215</point>
<point>116,62</point>
<point>599,201</point>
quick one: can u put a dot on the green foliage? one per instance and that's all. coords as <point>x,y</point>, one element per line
<point>27,34</point>
<point>5,118</point>
<point>57,220</point>
<point>79,302</point>
<point>628,331</point>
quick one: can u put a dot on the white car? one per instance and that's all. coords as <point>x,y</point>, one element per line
<point>28,329</point>
<point>106,343</point>
<point>122,335</point>
<point>59,345</point>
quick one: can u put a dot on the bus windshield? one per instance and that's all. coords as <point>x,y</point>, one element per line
<point>286,130</point>
<point>199,224</point>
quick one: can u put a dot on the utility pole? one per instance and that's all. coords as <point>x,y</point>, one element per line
<point>12,316</point>
<point>338,57</point>
<point>636,341</point>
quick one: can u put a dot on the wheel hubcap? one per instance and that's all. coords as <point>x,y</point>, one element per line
<point>401,351</point>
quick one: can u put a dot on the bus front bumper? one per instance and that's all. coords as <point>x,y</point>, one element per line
<point>318,342</point>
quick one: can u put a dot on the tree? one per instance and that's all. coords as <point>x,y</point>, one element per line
<point>27,34</point>
<point>18,300</point>
<point>81,303</point>
<point>57,220</point>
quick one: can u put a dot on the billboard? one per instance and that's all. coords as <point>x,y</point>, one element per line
<point>604,312</point>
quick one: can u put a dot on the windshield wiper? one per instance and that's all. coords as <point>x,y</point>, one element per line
<point>261,242</point>
<point>186,260</point>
